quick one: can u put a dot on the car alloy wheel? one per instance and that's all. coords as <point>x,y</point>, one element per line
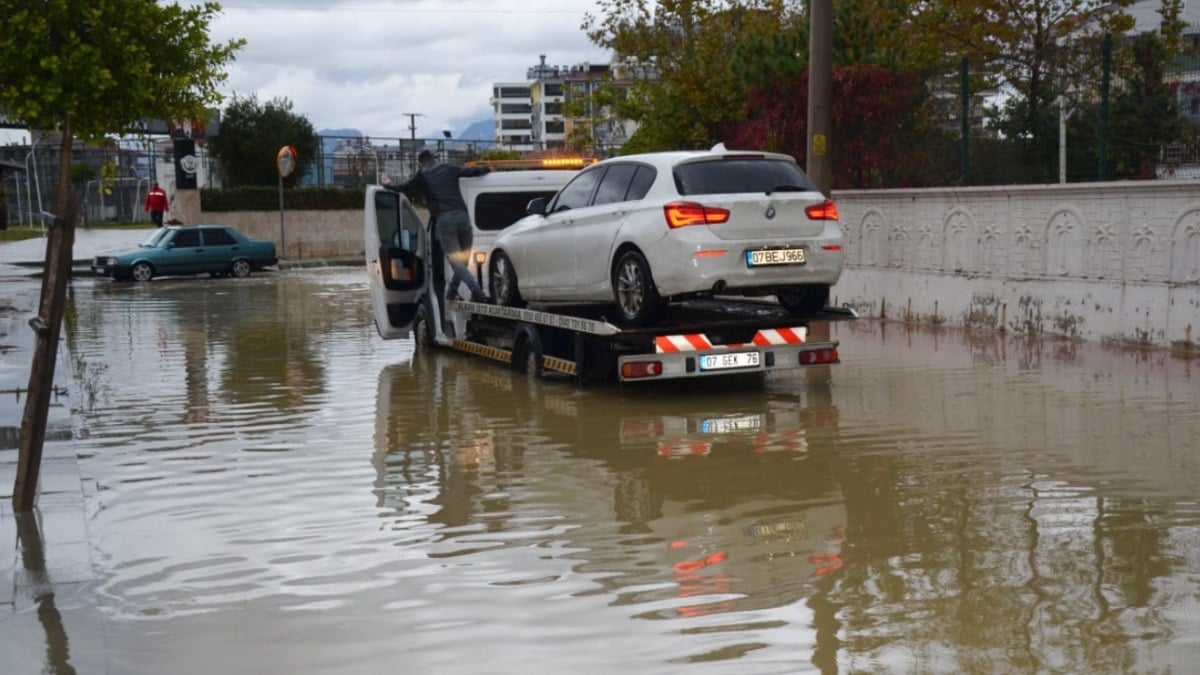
<point>504,281</point>
<point>637,298</point>
<point>142,272</point>
<point>240,268</point>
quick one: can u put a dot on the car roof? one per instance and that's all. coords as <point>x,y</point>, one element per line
<point>674,157</point>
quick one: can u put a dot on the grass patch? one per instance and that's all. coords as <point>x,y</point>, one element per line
<point>20,234</point>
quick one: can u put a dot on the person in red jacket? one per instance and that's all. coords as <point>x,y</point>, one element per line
<point>156,203</point>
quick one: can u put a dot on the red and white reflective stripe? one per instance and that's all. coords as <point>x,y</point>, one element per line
<point>665,344</point>
<point>780,336</point>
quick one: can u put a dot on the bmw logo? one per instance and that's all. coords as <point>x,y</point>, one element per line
<point>770,212</point>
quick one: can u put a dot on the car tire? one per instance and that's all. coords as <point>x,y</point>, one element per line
<point>633,289</point>
<point>239,268</point>
<point>141,272</point>
<point>804,301</point>
<point>504,281</point>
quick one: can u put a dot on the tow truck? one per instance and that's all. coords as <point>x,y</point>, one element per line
<point>700,338</point>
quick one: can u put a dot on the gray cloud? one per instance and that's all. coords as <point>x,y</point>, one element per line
<point>361,64</point>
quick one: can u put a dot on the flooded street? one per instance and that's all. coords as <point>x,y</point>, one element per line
<point>269,487</point>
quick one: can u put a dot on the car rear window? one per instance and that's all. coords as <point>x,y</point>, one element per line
<point>497,210</point>
<point>728,176</point>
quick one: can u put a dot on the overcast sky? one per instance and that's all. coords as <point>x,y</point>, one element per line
<point>362,63</point>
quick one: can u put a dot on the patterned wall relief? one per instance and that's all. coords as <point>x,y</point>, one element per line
<point>1141,248</point>
<point>1104,253</point>
<point>1064,244</point>
<point>872,240</point>
<point>1024,253</point>
<point>897,245</point>
<point>929,244</point>
<point>962,244</point>
<point>1185,249</point>
<point>990,251</point>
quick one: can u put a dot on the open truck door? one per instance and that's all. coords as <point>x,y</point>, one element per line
<point>394,242</point>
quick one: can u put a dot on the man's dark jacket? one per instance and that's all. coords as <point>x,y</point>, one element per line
<point>438,182</point>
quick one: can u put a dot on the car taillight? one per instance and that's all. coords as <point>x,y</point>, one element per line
<point>826,210</point>
<point>681,214</point>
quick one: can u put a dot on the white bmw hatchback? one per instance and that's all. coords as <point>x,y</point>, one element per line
<point>641,230</point>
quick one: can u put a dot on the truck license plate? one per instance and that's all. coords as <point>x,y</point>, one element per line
<point>775,256</point>
<point>728,361</point>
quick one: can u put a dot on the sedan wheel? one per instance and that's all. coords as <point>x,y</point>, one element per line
<point>142,272</point>
<point>240,268</point>
<point>633,288</point>
<point>804,302</point>
<point>504,282</point>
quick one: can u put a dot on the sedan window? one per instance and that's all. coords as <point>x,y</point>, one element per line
<point>578,193</point>
<point>740,175</point>
<point>186,238</point>
<point>215,236</point>
<point>615,184</point>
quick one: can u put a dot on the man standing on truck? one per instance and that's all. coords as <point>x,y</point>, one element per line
<point>438,183</point>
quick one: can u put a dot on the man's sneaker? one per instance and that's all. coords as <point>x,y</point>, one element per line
<point>480,297</point>
<point>453,296</point>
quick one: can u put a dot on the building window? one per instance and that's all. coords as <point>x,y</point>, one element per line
<point>515,124</point>
<point>554,127</point>
<point>552,89</point>
<point>555,108</point>
<point>515,109</point>
<point>514,92</point>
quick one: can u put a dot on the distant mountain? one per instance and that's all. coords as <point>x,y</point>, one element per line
<point>483,130</point>
<point>339,132</point>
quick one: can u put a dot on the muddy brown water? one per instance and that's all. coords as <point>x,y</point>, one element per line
<point>271,488</point>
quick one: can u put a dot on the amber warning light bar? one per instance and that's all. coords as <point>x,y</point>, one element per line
<point>527,164</point>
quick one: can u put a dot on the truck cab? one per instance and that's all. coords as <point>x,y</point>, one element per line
<point>399,246</point>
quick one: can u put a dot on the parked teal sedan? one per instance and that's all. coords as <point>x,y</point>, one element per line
<point>218,250</point>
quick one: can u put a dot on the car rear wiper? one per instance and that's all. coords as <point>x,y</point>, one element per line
<point>787,188</point>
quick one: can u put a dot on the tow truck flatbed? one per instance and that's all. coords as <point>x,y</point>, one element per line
<point>696,338</point>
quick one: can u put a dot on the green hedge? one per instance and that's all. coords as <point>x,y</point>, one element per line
<point>260,198</point>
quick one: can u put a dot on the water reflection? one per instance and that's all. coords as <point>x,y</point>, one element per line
<point>681,505</point>
<point>41,590</point>
<point>269,474</point>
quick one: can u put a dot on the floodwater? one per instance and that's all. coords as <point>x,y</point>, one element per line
<point>271,488</point>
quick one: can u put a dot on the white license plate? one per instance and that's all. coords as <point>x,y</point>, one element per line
<point>775,256</point>
<point>728,425</point>
<point>727,361</point>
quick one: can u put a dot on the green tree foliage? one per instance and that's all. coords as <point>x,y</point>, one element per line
<point>1038,48</point>
<point>252,132</point>
<point>1145,112</point>
<point>87,68</point>
<point>689,45</point>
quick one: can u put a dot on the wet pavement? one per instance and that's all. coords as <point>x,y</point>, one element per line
<point>260,484</point>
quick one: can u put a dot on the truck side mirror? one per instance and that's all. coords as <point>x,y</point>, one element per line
<point>536,207</point>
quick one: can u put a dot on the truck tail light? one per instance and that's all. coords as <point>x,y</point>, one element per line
<point>818,357</point>
<point>639,369</point>
<point>826,210</point>
<point>681,214</point>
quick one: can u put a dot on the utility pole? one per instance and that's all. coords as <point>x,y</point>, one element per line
<point>820,94</point>
<point>412,128</point>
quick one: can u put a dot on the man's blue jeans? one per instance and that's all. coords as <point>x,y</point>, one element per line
<point>455,235</point>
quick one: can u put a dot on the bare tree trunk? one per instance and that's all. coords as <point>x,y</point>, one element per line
<point>48,326</point>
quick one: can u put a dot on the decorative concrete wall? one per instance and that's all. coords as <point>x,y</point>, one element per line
<point>1100,261</point>
<point>307,234</point>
